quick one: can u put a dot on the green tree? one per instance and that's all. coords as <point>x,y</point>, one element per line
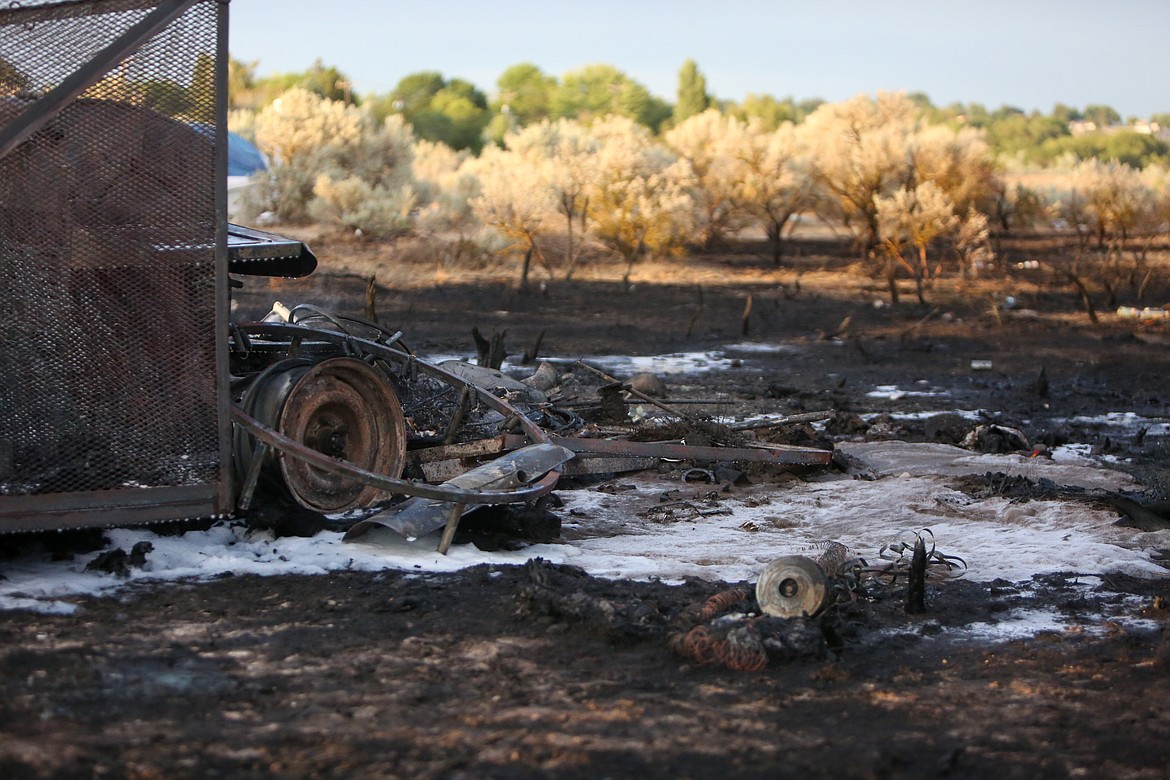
<point>451,112</point>
<point>1136,150</point>
<point>413,92</point>
<point>328,82</point>
<point>464,109</point>
<point>767,110</point>
<point>1066,114</point>
<point>325,81</point>
<point>596,91</point>
<point>1102,116</point>
<point>525,91</point>
<point>692,92</point>
<point>1010,131</point>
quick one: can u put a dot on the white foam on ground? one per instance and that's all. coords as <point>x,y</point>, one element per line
<point>605,535</point>
<point>1123,422</point>
<point>895,393</point>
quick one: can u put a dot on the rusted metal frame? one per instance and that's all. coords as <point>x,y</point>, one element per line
<point>295,449</point>
<point>291,448</point>
<point>773,453</point>
<point>389,353</point>
<point>131,506</point>
<point>493,445</point>
<point>227,489</point>
<point>45,108</point>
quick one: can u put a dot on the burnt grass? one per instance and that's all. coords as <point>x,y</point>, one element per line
<point>543,671</point>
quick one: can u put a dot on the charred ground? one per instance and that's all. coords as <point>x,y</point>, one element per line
<point>543,671</point>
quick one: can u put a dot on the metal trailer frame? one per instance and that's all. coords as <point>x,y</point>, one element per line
<point>49,35</point>
<point>239,250</point>
<point>236,249</point>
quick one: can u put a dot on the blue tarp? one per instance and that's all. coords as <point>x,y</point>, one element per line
<point>244,158</point>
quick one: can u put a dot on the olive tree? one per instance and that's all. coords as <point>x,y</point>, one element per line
<point>910,219</point>
<point>293,132</point>
<point>858,153</point>
<point>640,202</point>
<point>775,182</point>
<point>567,151</point>
<point>711,143</point>
<point>515,200</point>
<point>446,185</point>
<point>367,185</point>
<point>1114,203</point>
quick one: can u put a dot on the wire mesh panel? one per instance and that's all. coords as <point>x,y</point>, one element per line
<point>110,252</point>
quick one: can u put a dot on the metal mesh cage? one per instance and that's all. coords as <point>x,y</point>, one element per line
<point>110,249</point>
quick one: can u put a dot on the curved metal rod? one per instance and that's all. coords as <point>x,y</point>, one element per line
<point>299,451</point>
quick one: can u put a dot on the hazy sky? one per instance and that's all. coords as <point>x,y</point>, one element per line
<point>1027,53</point>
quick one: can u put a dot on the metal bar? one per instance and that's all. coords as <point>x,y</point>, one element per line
<point>458,415</point>
<point>471,449</point>
<point>773,453</point>
<point>227,487</point>
<point>33,14</point>
<point>105,507</point>
<point>777,422</point>
<point>255,465</point>
<point>45,108</point>
<point>451,527</point>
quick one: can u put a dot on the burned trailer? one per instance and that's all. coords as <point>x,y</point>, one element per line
<point>128,396</point>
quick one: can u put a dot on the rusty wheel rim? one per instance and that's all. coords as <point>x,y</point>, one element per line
<point>347,410</point>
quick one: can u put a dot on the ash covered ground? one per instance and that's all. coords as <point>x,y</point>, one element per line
<point>234,652</point>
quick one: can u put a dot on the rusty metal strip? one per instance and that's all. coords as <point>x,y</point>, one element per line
<point>472,449</point>
<point>772,453</point>
<point>587,465</point>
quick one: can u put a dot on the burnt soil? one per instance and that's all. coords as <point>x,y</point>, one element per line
<point>542,671</point>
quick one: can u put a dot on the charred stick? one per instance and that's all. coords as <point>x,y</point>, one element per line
<point>916,587</point>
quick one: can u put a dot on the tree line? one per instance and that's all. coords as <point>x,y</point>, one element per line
<point>918,197</point>
<point>458,114</point>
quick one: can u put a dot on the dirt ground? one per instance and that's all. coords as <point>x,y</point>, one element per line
<point>542,671</point>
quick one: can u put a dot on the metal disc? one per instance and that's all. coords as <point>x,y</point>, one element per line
<point>792,586</point>
<point>343,408</point>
